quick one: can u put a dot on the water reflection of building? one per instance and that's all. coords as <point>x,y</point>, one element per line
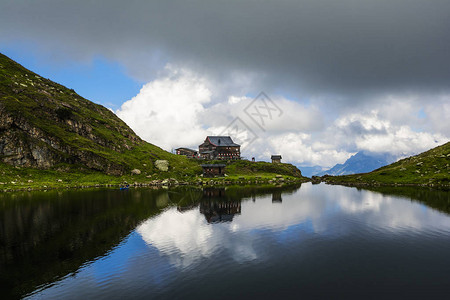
<point>216,207</point>
<point>213,193</point>
<point>276,197</point>
<point>186,198</point>
<point>183,208</point>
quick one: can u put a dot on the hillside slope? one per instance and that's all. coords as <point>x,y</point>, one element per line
<point>48,126</point>
<point>428,168</point>
<point>52,137</point>
<point>249,168</point>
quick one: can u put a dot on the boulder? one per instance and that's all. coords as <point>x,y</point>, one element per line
<point>162,165</point>
<point>135,172</point>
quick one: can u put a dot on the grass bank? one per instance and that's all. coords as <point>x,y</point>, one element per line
<point>181,171</point>
<point>430,168</point>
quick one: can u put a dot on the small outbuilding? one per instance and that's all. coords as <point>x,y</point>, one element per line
<point>213,170</point>
<point>186,152</point>
<point>276,159</point>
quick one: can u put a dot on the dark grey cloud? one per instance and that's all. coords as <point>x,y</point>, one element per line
<point>351,48</point>
<point>357,128</point>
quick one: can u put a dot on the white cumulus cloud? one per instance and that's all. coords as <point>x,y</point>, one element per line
<point>166,110</point>
<point>180,108</point>
<point>372,133</point>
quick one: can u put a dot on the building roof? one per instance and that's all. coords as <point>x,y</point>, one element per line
<point>186,149</point>
<point>213,166</point>
<point>276,157</point>
<point>221,141</point>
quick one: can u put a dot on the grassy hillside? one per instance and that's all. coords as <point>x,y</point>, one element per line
<point>238,172</point>
<point>245,167</point>
<point>428,168</point>
<point>48,126</point>
<point>52,137</point>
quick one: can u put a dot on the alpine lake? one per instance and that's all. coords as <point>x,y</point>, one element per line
<point>290,242</point>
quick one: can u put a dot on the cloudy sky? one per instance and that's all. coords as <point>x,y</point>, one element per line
<point>338,76</point>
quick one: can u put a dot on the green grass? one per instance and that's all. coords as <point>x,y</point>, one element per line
<point>42,114</point>
<point>245,167</point>
<point>85,143</point>
<point>429,168</point>
<point>181,169</point>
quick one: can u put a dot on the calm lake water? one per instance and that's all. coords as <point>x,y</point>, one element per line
<point>313,241</point>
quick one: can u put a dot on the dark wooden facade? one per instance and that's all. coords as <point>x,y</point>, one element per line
<point>213,170</point>
<point>219,147</point>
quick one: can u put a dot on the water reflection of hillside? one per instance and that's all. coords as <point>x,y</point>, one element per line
<point>437,199</point>
<point>188,198</point>
<point>325,210</point>
<point>222,204</point>
<point>47,235</point>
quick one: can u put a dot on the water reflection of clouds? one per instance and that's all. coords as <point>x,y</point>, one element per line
<point>165,248</point>
<point>385,212</point>
<point>187,237</point>
<point>330,211</point>
<point>361,202</point>
<point>120,271</point>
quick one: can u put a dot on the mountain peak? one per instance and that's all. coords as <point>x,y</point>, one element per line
<point>360,162</point>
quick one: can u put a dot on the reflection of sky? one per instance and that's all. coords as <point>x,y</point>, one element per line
<point>167,246</point>
<point>328,210</point>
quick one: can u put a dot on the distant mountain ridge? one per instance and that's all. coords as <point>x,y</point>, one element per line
<point>310,171</point>
<point>361,162</point>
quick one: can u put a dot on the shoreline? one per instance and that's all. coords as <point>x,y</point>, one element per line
<point>378,184</point>
<point>160,184</point>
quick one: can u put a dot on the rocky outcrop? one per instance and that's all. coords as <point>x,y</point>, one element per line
<point>24,145</point>
<point>43,124</point>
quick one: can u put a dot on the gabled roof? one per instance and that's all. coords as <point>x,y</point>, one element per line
<point>221,141</point>
<point>186,149</point>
